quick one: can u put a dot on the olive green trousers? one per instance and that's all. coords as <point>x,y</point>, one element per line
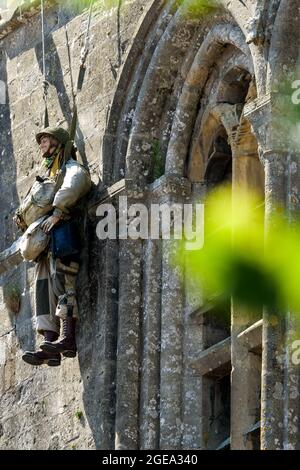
<point>55,292</point>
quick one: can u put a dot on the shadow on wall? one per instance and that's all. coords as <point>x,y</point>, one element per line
<point>97,342</point>
<point>31,38</point>
<point>15,281</point>
<point>12,282</point>
<point>54,74</point>
<point>90,336</point>
<point>9,197</point>
<point>96,348</point>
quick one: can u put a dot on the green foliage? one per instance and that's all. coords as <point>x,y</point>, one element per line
<point>158,163</point>
<point>78,6</point>
<point>12,298</point>
<point>199,8</point>
<point>79,414</point>
<point>286,111</point>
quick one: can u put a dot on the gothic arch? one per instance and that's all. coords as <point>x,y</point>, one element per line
<point>188,88</point>
<point>158,95</point>
<point>127,88</point>
<point>154,108</point>
<point>145,82</point>
<point>220,38</point>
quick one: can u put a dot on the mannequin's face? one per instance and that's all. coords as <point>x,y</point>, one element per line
<point>47,145</point>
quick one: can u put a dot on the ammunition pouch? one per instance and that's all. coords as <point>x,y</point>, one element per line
<point>34,241</point>
<point>65,240</point>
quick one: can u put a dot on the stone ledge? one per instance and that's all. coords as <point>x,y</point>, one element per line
<point>214,362</point>
<point>169,181</point>
<point>11,257</point>
<point>224,444</point>
<point>163,186</point>
<point>253,428</point>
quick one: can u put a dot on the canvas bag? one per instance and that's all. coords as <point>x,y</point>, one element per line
<point>38,201</point>
<point>34,241</point>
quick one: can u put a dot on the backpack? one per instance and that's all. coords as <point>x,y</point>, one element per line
<point>37,203</point>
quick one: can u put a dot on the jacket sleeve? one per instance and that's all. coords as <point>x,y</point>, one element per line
<point>76,184</point>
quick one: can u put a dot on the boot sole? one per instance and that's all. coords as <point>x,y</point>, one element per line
<point>50,348</point>
<point>33,361</point>
<point>71,354</point>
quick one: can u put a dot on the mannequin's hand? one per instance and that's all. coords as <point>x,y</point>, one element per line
<point>49,223</point>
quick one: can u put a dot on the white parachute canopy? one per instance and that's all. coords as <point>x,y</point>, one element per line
<point>8,8</point>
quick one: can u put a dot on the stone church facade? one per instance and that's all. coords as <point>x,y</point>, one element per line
<point>156,369</point>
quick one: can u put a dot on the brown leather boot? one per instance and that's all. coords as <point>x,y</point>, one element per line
<point>67,345</point>
<point>39,358</point>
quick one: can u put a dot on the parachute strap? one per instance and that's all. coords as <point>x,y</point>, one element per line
<point>63,299</point>
<point>80,80</point>
<point>45,81</point>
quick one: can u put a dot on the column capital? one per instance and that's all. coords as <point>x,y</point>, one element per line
<point>170,187</point>
<point>272,119</point>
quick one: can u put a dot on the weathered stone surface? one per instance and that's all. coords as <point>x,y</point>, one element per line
<point>161,87</point>
<point>75,404</point>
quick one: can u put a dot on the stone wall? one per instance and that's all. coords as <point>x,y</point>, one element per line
<point>42,408</point>
<point>156,368</point>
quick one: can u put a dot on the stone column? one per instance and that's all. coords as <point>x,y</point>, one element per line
<point>129,333</point>
<point>272,413</point>
<point>245,382</point>
<point>292,370</point>
<point>193,334</point>
<point>151,325</point>
<point>245,379</point>
<point>128,349</point>
<point>272,140</point>
<point>171,190</point>
<point>291,438</point>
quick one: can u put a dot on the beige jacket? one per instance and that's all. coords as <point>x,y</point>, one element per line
<point>48,193</point>
<point>76,184</point>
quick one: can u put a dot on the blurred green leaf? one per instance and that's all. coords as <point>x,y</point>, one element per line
<point>236,261</point>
